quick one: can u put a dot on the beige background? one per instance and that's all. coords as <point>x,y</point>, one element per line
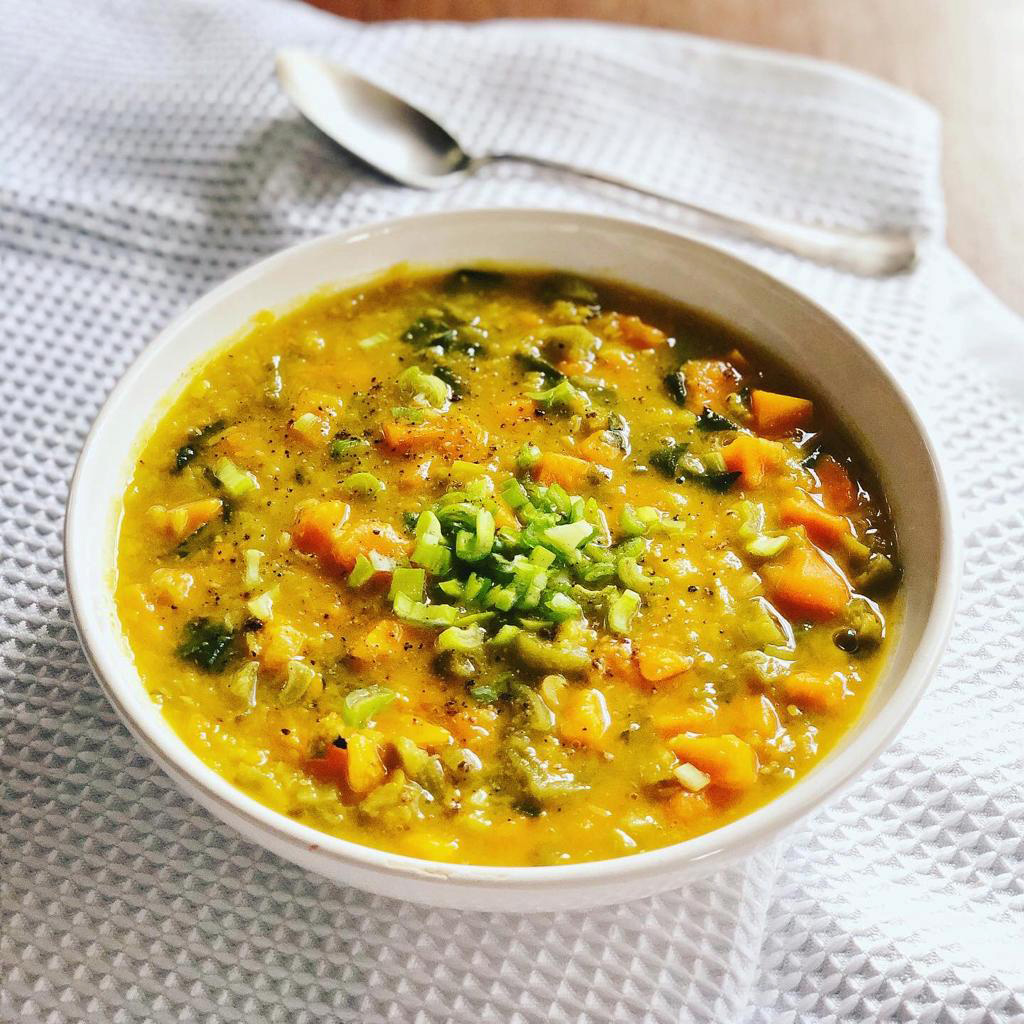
<point>963,56</point>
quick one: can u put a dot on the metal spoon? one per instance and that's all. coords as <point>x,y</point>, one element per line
<point>406,145</point>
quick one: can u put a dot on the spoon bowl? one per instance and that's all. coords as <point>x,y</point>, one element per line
<point>371,123</point>
<point>402,142</point>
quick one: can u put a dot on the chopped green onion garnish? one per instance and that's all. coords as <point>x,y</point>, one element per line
<point>408,582</point>
<point>418,613</point>
<point>528,457</point>
<point>622,612</point>
<point>766,547</point>
<point>361,705</point>
<point>562,396</point>
<point>263,606</point>
<point>373,340</point>
<point>566,538</point>
<point>237,482</point>
<point>252,566</point>
<point>362,572</point>
<point>362,483</point>
<point>297,682</point>
<point>561,607</point>
<point>340,447</point>
<point>514,493</point>
<point>632,575</point>
<point>454,638</point>
<point>417,383</point>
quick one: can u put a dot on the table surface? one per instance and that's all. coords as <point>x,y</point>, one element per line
<point>959,55</point>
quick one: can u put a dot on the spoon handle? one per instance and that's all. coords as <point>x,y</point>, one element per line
<point>868,253</point>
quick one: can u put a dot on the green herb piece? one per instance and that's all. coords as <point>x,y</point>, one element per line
<point>207,644</point>
<point>373,340</point>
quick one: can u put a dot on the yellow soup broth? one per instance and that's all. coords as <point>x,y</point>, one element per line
<point>504,567</point>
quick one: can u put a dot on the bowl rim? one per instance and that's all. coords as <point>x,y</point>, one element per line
<point>713,849</point>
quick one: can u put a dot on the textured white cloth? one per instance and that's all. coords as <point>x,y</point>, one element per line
<point>145,153</point>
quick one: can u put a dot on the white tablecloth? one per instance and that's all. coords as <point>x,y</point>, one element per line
<point>145,153</point>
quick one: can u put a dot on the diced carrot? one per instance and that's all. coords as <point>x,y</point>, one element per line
<point>383,641</point>
<point>332,767</point>
<point>729,761</point>
<point>171,586</point>
<point>697,719</point>
<point>805,586</point>
<point>425,734</point>
<point>453,435</point>
<point>404,437</point>
<point>595,448</point>
<point>617,658</point>
<point>616,357</point>
<point>822,527</point>
<point>659,663</point>
<point>752,716</point>
<point>364,768</point>
<point>316,524</point>
<point>684,807</point>
<point>811,692</point>
<point>183,520</point>
<point>752,457</point>
<point>708,381</point>
<point>632,331</point>
<point>837,488</point>
<point>279,644</point>
<point>238,442</point>
<point>368,536</point>
<point>776,415</point>
<point>583,719</point>
<point>322,529</point>
<point>567,470</point>
<point>519,410</point>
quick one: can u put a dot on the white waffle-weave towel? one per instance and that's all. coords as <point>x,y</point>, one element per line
<point>146,154</point>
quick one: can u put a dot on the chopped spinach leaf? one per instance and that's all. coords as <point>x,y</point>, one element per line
<point>711,421</point>
<point>197,440</point>
<point>207,644</point>
<point>675,383</point>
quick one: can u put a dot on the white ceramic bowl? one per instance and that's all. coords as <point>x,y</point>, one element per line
<point>823,352</point>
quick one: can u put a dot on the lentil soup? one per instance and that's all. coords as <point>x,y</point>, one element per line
<point>504,567</point>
